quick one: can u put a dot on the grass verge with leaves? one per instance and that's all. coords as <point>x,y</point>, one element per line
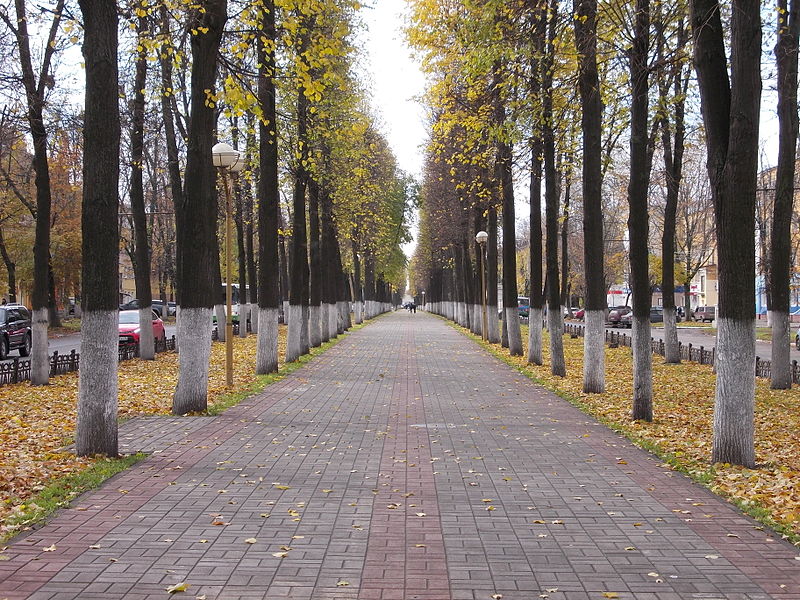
<point>680,433</point>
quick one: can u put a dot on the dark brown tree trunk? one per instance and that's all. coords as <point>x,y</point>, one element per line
<point>195,217</point>
<point>96,427</point>
<point>11,269</point>
<point>491,276</point>
<point>35,97</point>
<point>357,286</point>
<point>780,251</point>
<point>555,320</point>
<point>730,115</point>
<point>565,300</point>
<point>269,272</point>
<point>592,180</point>
<point>173,158</point>
<point>638,227</point>
<point>298,277</point>
<point>673,142</point>
<point>141,270</point>
<point>505,175</point>
<point>315,266</point>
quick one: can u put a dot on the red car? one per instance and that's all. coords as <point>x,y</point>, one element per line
<point>129,327</point>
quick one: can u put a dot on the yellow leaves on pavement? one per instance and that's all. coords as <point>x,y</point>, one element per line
<point>178,587</point>
<point>37,423</point>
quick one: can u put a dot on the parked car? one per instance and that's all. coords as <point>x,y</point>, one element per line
<point>615,315</point>
<point>157,306</point>
<point>524,307</point>
<point>15,330</point>
<point>704,313</point>
<point>579,314</point>
<point>656,316</point>
<point>129,327</point>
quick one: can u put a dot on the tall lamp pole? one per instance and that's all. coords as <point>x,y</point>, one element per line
<point>226,159</point>
<point>481,238</point>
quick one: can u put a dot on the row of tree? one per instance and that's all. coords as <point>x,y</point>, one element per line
<point>277,79</point>
<point>550,89</point>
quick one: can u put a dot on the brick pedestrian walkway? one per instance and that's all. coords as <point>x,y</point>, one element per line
<point>403,463</point>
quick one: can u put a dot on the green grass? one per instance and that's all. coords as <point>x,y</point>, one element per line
<point>60,492</point>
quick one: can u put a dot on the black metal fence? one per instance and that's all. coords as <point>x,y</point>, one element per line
<point>20,370</point>
<point>698,354</point>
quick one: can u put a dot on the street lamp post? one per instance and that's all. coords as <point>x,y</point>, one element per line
<point>227,159</point>
<point>481,238</point>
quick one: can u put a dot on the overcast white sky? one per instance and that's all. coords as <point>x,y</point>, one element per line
<point>397,81</point>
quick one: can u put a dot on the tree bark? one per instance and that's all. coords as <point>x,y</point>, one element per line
<point>268,201</point>
<point>730,114</point>
<point>315,267</point>
<point>780,251</point>
<point>142,244</point>
<point>505,175</point>
<point>638,226</point>
<point>195,218</point>
<point>96,427</point>
<point>592,179</point>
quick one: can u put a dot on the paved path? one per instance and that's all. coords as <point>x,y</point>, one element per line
<point>403,463</point>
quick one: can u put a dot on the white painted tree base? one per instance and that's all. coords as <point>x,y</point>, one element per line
<point>194,330</point>
<point>555,323</point>
<point>146,340</point>
<point>293,335</point>
<point>535,336</point>
<point>333,318</point>
<point>642,369</point>
<point>672,352</point>
<point>494,324</point>
<point>733,439</point>
<point>40,357</point>
<point>514,333</point>
<point>780,367</point>
<point>96,425</point>
<point>314,326</point>
<point>243,316</point>
<point>267,342</point>
<point>594,356</point>
<point>219,312</point>
<point>252,310</point>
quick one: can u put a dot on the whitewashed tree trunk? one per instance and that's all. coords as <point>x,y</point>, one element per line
<point>594,357</point>
<point>769,318</point>
<point>672,351</point>
<point>219,312</point>
<point>314,326</point>
<point>494,324</point>
<point>96,426</point>
<point>177,327</point>
<point>556,326</point>
<point>294,348</point>
<point>146,341</point>
<point>305,346</point>
<point>642,368</point>
<point>285,312</point>
<point>40,357</point>
<point>734,402</point>
<point>267,342</point>
<point>535,336</point>
<point>243,316</point>
<point>514,332</point>
<point>333,316</point>
<point>194,331</point>
<point>324,325</point>
<point>780,367</point>
<point>359,313</point>
<point>252,310</point>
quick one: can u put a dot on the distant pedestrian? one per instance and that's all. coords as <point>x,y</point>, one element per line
<point>413,308</point>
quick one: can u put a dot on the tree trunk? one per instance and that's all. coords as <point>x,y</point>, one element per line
<point>268,201</point>
<point>11,269</point>
<point>555,320</point>
<point>592,179</point>
<point>638,227</point>
<point>780,251</point>
<point>565,300</point>
<point>96,427</point>
<point>195,219</point>
<point>730,115</point>
<point>297,343</point>
<point>491,277</point>
<point>35,96</point>
<point>141,269</point>
<point>505,175</point>
<point>315,297</point>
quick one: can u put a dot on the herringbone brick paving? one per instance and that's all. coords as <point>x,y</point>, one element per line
<point>403,463</point>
